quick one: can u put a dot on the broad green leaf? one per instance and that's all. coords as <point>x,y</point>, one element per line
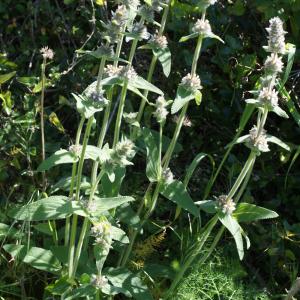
<point>277,141</point>
<point>111,189</point>
<point>101,205</point>
<point>183,96</point>
<point>188,37</point>
<point>291,51</point>
<point>246,212</point>
<point>240,140</point>
<point>214,36</point>
<point>209,206</point>
<point>28,81</point>
<point>164,57</point>
<point>236,231</point>
<point>7,231</point>
<point>6,77</point>
<point>7,102</point>
<point>82,292</point>
<point>44,228</point>
<point>65,183</point>
<point>53,118</point>
<point>137,288</point>
<point>194,164</point>
<point>280,112</point>
<point>59,157</point>
<point>140,83</point>
<point>152,170</point>
<point>51,208</point>
<point>177,193</point>
<point>119,235</point>
<point>38,258</point>
<point>60,286</point>
<point>198,97</point>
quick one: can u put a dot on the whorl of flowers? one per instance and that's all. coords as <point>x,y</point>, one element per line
<point>75,149</point>
<point>130,4</point>
<point>268,97</point>
<point>47,53</point>
<point>128,73</point>
<point>146,12</point>
<point>227,205</point>
<point>202,27</point>
<point>167,176</point>
<point>159,41</point>
<point>120,16</point>
<point>161,112</point>
<point>111,70</point>
<point>273,64</point>
<point>191,82</point>
<point>105,50</point>
<point>157,5</point>
<point>97,97</point>
<point>139,31</point>
<point>123,151</point>
<point>186,121</point>
<point>258,140</point>
<point>130,118</point>
<point>99,281</point>
<point>276,40</point>
<point>102,233</point>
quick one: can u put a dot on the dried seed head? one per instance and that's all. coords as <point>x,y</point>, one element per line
<point>269,97</point>
<point>159,41</point>
<point>75,149</point>
<point>47,53</point>
<point>276,40</point>
<point>167,176</point>
<point>146,12</point>
<point>227,205</point>
<point>202,27</point>
<point>161,112</point>
<point>258,141</point>
<point>191,82</point>
<point>273,64</point>
<point>99,281</point>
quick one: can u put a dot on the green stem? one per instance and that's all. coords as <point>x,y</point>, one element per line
<point>79,174</point>
<point>85,225</point>
<point>42,120</point>
<point>74,169</point>
<point>123,97</point>
<point>242,175</point>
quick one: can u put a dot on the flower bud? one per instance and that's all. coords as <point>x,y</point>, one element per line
<point>191,82</point>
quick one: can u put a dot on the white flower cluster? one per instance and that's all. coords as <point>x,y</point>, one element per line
<point>102,233</point>
<point>191,82</point>
<point>202,27</point>
<point>47,53</point>
<point>268,97</point>
<point>273,64</point>
<point>161,112</point>
<point>167,176</point>
<point>258,141</point>
<point>99,281</point>
<point>276,40</point>
<point>96,96</point>
<point>125,72</point>
<point>159,41</point>
<point>130,118</point>
<point>227,205</point>
<point>123,151</point>
<point>75,149</point>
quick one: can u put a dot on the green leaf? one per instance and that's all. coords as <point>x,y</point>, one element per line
<point>7,102</point>
<point>6,77</point>
<point>277,141</point>
<point>209,206</point>
<point>236,231</point>
<point>291,51</point>
<point>280,112</point>
<point>152,170</point>
<point>198,97</point>
<point>137,288</point>
<point>164,57</point>
<point>188,37</point>
<point>119,235</point>
<point>28,81</point>
<point>7,231</point>
<point>65,183</point>
<point>177,193</point>
<point>246,212</point>
<point>111,189</point>
<point>102,205</point>
<point>140,83</point>
<point>183,96</point>
<point>83,291</point>
<point>59,157</point>
<point>44,228</point>
<point>214,36</point>
<point>51,208</point>
<point>38,258</point>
